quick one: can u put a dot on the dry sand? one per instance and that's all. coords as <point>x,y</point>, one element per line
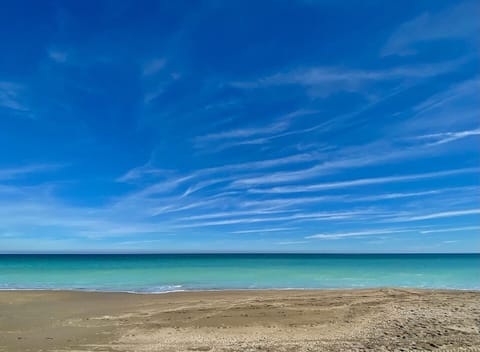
<point>336,320</point>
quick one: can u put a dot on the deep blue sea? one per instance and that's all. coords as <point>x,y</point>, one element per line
<point>178,272</point>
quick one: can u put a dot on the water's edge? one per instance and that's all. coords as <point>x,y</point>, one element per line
<point>252,290</point>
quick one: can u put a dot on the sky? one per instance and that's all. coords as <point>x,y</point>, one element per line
<point>239,126</point>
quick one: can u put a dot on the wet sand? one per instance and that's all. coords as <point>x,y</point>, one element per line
<point>317,320</point>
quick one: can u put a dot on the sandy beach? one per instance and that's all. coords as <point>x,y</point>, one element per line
<point>317,320</point>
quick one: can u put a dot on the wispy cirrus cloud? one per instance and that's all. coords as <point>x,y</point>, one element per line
<point>439,215</point>
<point>288,243</point>
<point>314,171</point>
<point>433,116</point>
<point>245,132</point>
<point>49,217</point>
<point>226,172</point>
<point>21,171</point>
<point>326,80</point>
<point>458,91</point>
<point>398,195</point>
<point>140,172</point>
<point>253,134</point>
<point>12,97</point>
<point>153,66</point>
<point>344,198</point>
<point>236,213</point>
<point>452,229</point>
<point>264,230</point>
<point>315,216</point>
<point>57,55</point>
<point>362,182</point>
<point>446,137</point>
<point>376,153</point>
<point>431,26</point>
<point>293,201</point>
<point>373,232</point>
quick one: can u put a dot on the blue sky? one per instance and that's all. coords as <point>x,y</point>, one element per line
<point>239,126</point>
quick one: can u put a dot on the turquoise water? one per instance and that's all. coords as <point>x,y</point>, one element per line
<point>177,272</point>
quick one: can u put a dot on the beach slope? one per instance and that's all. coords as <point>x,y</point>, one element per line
<point>317,320</point>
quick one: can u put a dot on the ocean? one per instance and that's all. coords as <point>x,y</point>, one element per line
<point>156,273</point>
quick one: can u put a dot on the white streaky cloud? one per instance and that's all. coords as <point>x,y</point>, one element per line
<point>59,56</point>
<point>143,171</point>
<point>458,22</point>
<point>153,66</point>
<point>331,166</point>
<point>265,139</point>
<point>147,170</point>
<point>10,193</point>
<point>153,93</point>
<point>13,173</point>
<point>236,213</point>
<point>462,199</point>
<point>9,190</point>
<point>320,216</point>
<point>343,119</point>
<point>196,181</point>
<point>219,199</point>
<point>314,171</point>
<point>140,172</point>
<point>362,182</point>
<point>233,143</point>
<point>287,202</point>
<point>164,205</point>
<point>43,214</point>
<point>347,119</point>
<point>119,229</point>
<point>446,137</point>
<point>370,154</point>
<point>333,236</point>
<point>434,114</point>
<point>274,229</point>
<point>452,229</point>
<point>261,133</point>
<point>162,187</point>
<point>12,98</point>
<point>286,243</point>
<point>387,196</point>
<point>204,184</point>
<point>142,199</point>
<point>161,210</point>
<point>337,79</point>
<point>437,101</point>
<point>345,198</point>
<point>323,127</point>
<point>287,160</point>
<point>23,216</point>
<point>245,132</point>
<point>139,242</point>
<point>440,215</point>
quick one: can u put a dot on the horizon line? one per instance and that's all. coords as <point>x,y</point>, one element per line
<point>224,252</point>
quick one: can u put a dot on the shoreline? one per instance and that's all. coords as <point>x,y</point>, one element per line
<point>230,290</point>
<point>240,320</point>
